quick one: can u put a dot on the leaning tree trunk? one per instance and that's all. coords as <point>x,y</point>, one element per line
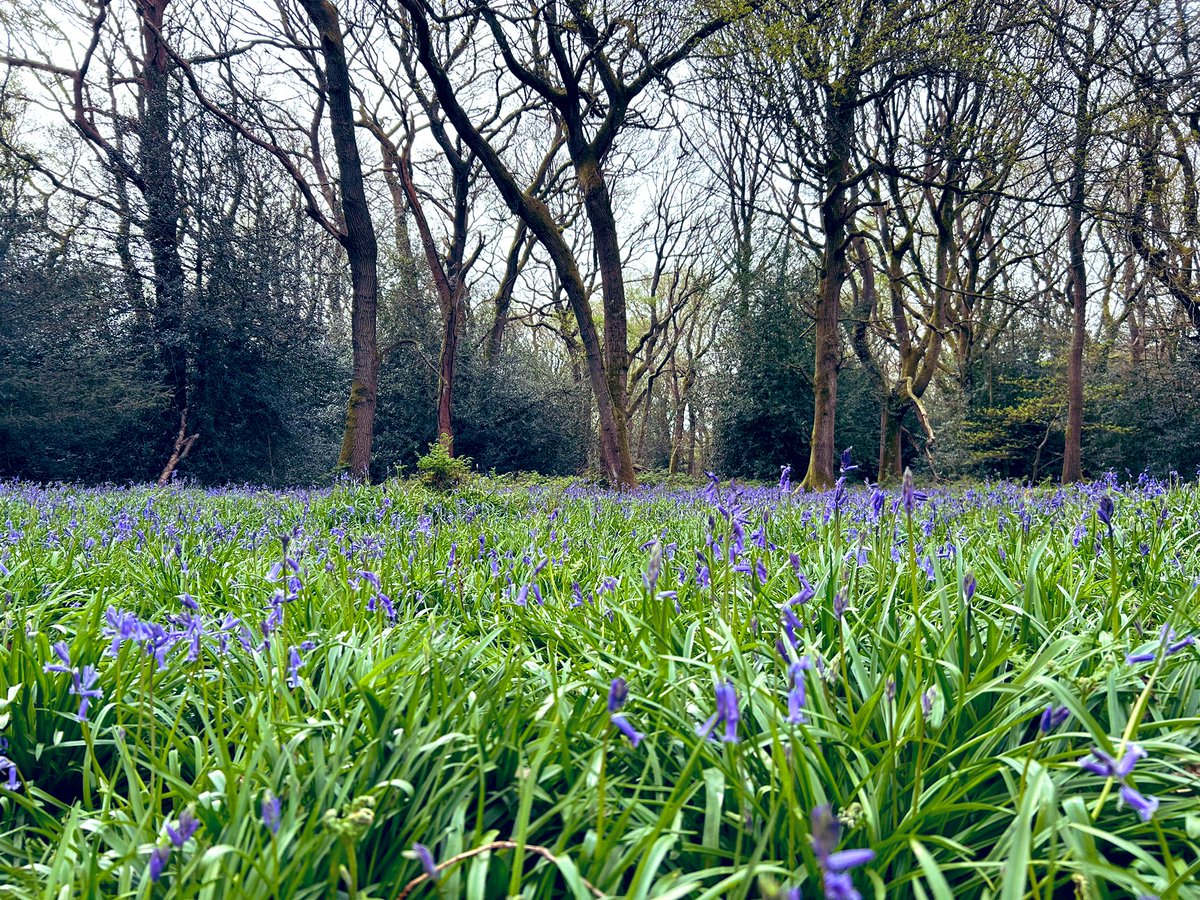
<point>362,249</point>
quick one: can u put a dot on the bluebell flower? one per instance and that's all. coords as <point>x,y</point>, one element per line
<point>622,725</point>
<point>727,713</point>
<point>835,864</point>
<point>11,776</point>
<point>908,492</point>
<point>83,681</point>
<point>796,692</point>
<point>618,691</point>
<point>84,687</point>
<point>295,663</point>
<point>1145,807</point>
<point>1052,718</point>
<point>653,568</point>
<point>840,602</point>
<point>785,479</point>
<point>969,586</point>
<point>927,699</point>
<point>426,859</point>
<point>1175,647</point>
<point>1119,770</point>
<point>270,812</point>
<point>188,826</point>
<point>158,861</point>
<point>846,464</point>
<point>840,494</point>
<point>1104,512</point>
<point>60,650</point>
<point>727,709</point>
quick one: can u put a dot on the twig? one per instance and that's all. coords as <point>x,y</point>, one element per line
<point>494,845</point>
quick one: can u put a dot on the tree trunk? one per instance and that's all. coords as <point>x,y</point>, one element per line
<point>598,205</point>
<point>1072,470</point>
<point>835,217</point>
<point>608,389</point>
<point>891,426</point>
<point>451,330</point>
<point>161,227</point>
<point>362,249</point>
<point>502,300</point>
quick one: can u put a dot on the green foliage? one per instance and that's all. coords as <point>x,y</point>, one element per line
<point>468,718</point>
<point>765,407</point>
<point>442,471</point>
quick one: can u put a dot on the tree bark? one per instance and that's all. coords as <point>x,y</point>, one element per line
<point>1072,470</point>
<point>614,439</point>
<point>835,219</point>
<point>159,190</point>
<point>359,241</point>
<point>598,206</point>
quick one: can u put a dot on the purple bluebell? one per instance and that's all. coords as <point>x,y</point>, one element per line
<point>426,860</point>
<point>847,466</point>
<point>1144,806</point>
<point>908,492</point>
<point>11,775</point>
<point>969,586</point>
<point>727,709</point>
<point>270,812</point>
<point>840,602</point>
<point>158,861</point>
<point>84,687</point>
<point>806,592</point>
<point>1143,657</point>
<point>843,860</point>
<point>1105,766</point>
<point>1128,760</point>
<point>60,650</point>
<point>622,725</point>
<point>295,663</point>
<point>785,479</point>
<point>653,568</point>
<point>835,864</point>
<point>796,692</point>
<point>1053,718</point>
<point>927,699</point>
<point>1105,510</point>
<point>727,713</point>
<point>1175,647</point>
<point>188,826</point>
<point>618,691</point>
